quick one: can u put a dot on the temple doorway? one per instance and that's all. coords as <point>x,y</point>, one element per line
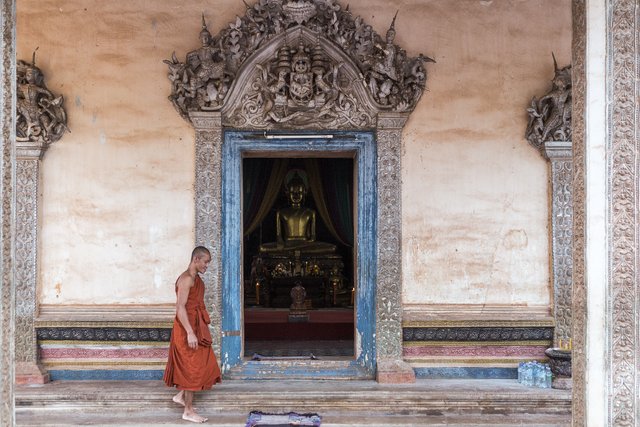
<point>298,259</point>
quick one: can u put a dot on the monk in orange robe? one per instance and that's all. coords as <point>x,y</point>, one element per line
<point>192,366</point>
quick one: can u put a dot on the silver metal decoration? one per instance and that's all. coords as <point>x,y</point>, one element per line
<point>560,156</point>
<point>623,323</point>
<point>7,213</point>
<point>40,121</point>
<point>40,116</point>
<point>579,291</point>
<point>202,82</point>
<point>550,116</point>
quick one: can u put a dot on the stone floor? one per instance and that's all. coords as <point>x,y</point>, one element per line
<point>340,403</point>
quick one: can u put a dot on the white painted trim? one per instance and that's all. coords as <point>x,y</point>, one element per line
<point>596,238</point>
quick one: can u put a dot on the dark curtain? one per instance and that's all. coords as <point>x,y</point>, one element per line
<point>330,182</point>
<point>263,180</point>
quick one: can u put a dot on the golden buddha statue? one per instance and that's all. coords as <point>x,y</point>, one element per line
<point>296,225</point>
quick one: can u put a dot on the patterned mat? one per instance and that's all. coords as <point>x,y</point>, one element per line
<point>257,418</point>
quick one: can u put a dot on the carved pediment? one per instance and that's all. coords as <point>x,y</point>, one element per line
<point>297,63</point>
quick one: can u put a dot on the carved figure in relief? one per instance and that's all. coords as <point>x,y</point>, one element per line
<point>301,77</point>
<point>40,116</point>
<point>550,116</point>
<point>207,83</point>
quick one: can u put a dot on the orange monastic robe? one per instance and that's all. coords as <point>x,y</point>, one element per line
<point>190,369</point>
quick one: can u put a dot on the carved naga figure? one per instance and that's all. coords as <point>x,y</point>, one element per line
<point>550,116</point>
<point>40,116</point>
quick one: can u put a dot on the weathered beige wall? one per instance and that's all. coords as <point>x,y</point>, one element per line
<point>475,202</point>
<point>117,217</point>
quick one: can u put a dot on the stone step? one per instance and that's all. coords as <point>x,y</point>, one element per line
<point>340,403</point>
<point>172,419</point>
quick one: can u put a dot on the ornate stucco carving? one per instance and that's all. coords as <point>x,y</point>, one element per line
<point>301,86</point>
<point>40,116</point>
<point>388,303</point>
<point>379,74</point>
<point>549,131</point>
<point>26,258</point>
<point>560,155</point>
<point>7,165</point>
<point>40,121</point>
<point>550,116</point>
<point>208,203</point>
<point>579,298</point>
<point>623,321</point>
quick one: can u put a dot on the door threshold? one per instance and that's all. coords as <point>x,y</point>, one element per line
<point>335,368</point>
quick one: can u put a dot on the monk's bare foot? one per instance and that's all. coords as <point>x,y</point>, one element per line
<point>179,398</point>
<point>193,417</point>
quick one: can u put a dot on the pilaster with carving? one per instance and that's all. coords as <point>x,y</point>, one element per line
<point>549,131</point>
<point>40,121</point>
<point>579,297</point>
<point>208,198</point>
<point>623,72</point>
<point>7,213</point>
<point>559,154</point>
<point>391,368</point>
<point>28,156</point>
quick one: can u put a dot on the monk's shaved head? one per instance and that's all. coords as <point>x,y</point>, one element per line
<point>199,252</point>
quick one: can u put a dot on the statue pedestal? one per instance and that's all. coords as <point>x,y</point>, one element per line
<point>298,316</point>
<point>31,373</point>
<point>395,372</point>
<point>560,362</point>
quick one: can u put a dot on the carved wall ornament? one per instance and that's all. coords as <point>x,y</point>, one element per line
<point>550,116</point>
<point>328,78</point>
<point>40,116</point>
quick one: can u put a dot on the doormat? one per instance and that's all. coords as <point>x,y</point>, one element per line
<point>257,418</point>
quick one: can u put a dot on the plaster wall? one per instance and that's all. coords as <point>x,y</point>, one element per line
<point>117,193</point>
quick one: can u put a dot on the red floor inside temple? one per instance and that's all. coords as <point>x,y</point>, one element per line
<point>273,324</point>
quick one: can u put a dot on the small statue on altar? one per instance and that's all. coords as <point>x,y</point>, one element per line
<point>298,295</point>
<point>298,309</point>
<point>296,225</point>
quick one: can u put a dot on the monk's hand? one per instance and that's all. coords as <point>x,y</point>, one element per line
<point>192,340</point>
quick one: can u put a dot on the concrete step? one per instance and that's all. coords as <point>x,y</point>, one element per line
<point>340,403</point>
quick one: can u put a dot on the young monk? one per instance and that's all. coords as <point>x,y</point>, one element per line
<point>192,366</point>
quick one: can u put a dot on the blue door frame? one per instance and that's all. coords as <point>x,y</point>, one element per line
<point>239,144</point>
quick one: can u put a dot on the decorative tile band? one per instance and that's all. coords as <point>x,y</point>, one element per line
<point>473,373</point>
<point>103,334</point>
<point>473,352</point>
<point>102,374</point>
<point>525,352</point>
<point>103,353</point>
<point>477,334</point>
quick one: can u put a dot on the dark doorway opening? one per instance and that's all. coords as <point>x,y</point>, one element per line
<point>298,257</point>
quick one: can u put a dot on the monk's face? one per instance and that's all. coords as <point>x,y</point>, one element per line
<point>202,263</point>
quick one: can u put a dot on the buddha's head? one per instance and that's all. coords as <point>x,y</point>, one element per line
<point>296,190</point>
